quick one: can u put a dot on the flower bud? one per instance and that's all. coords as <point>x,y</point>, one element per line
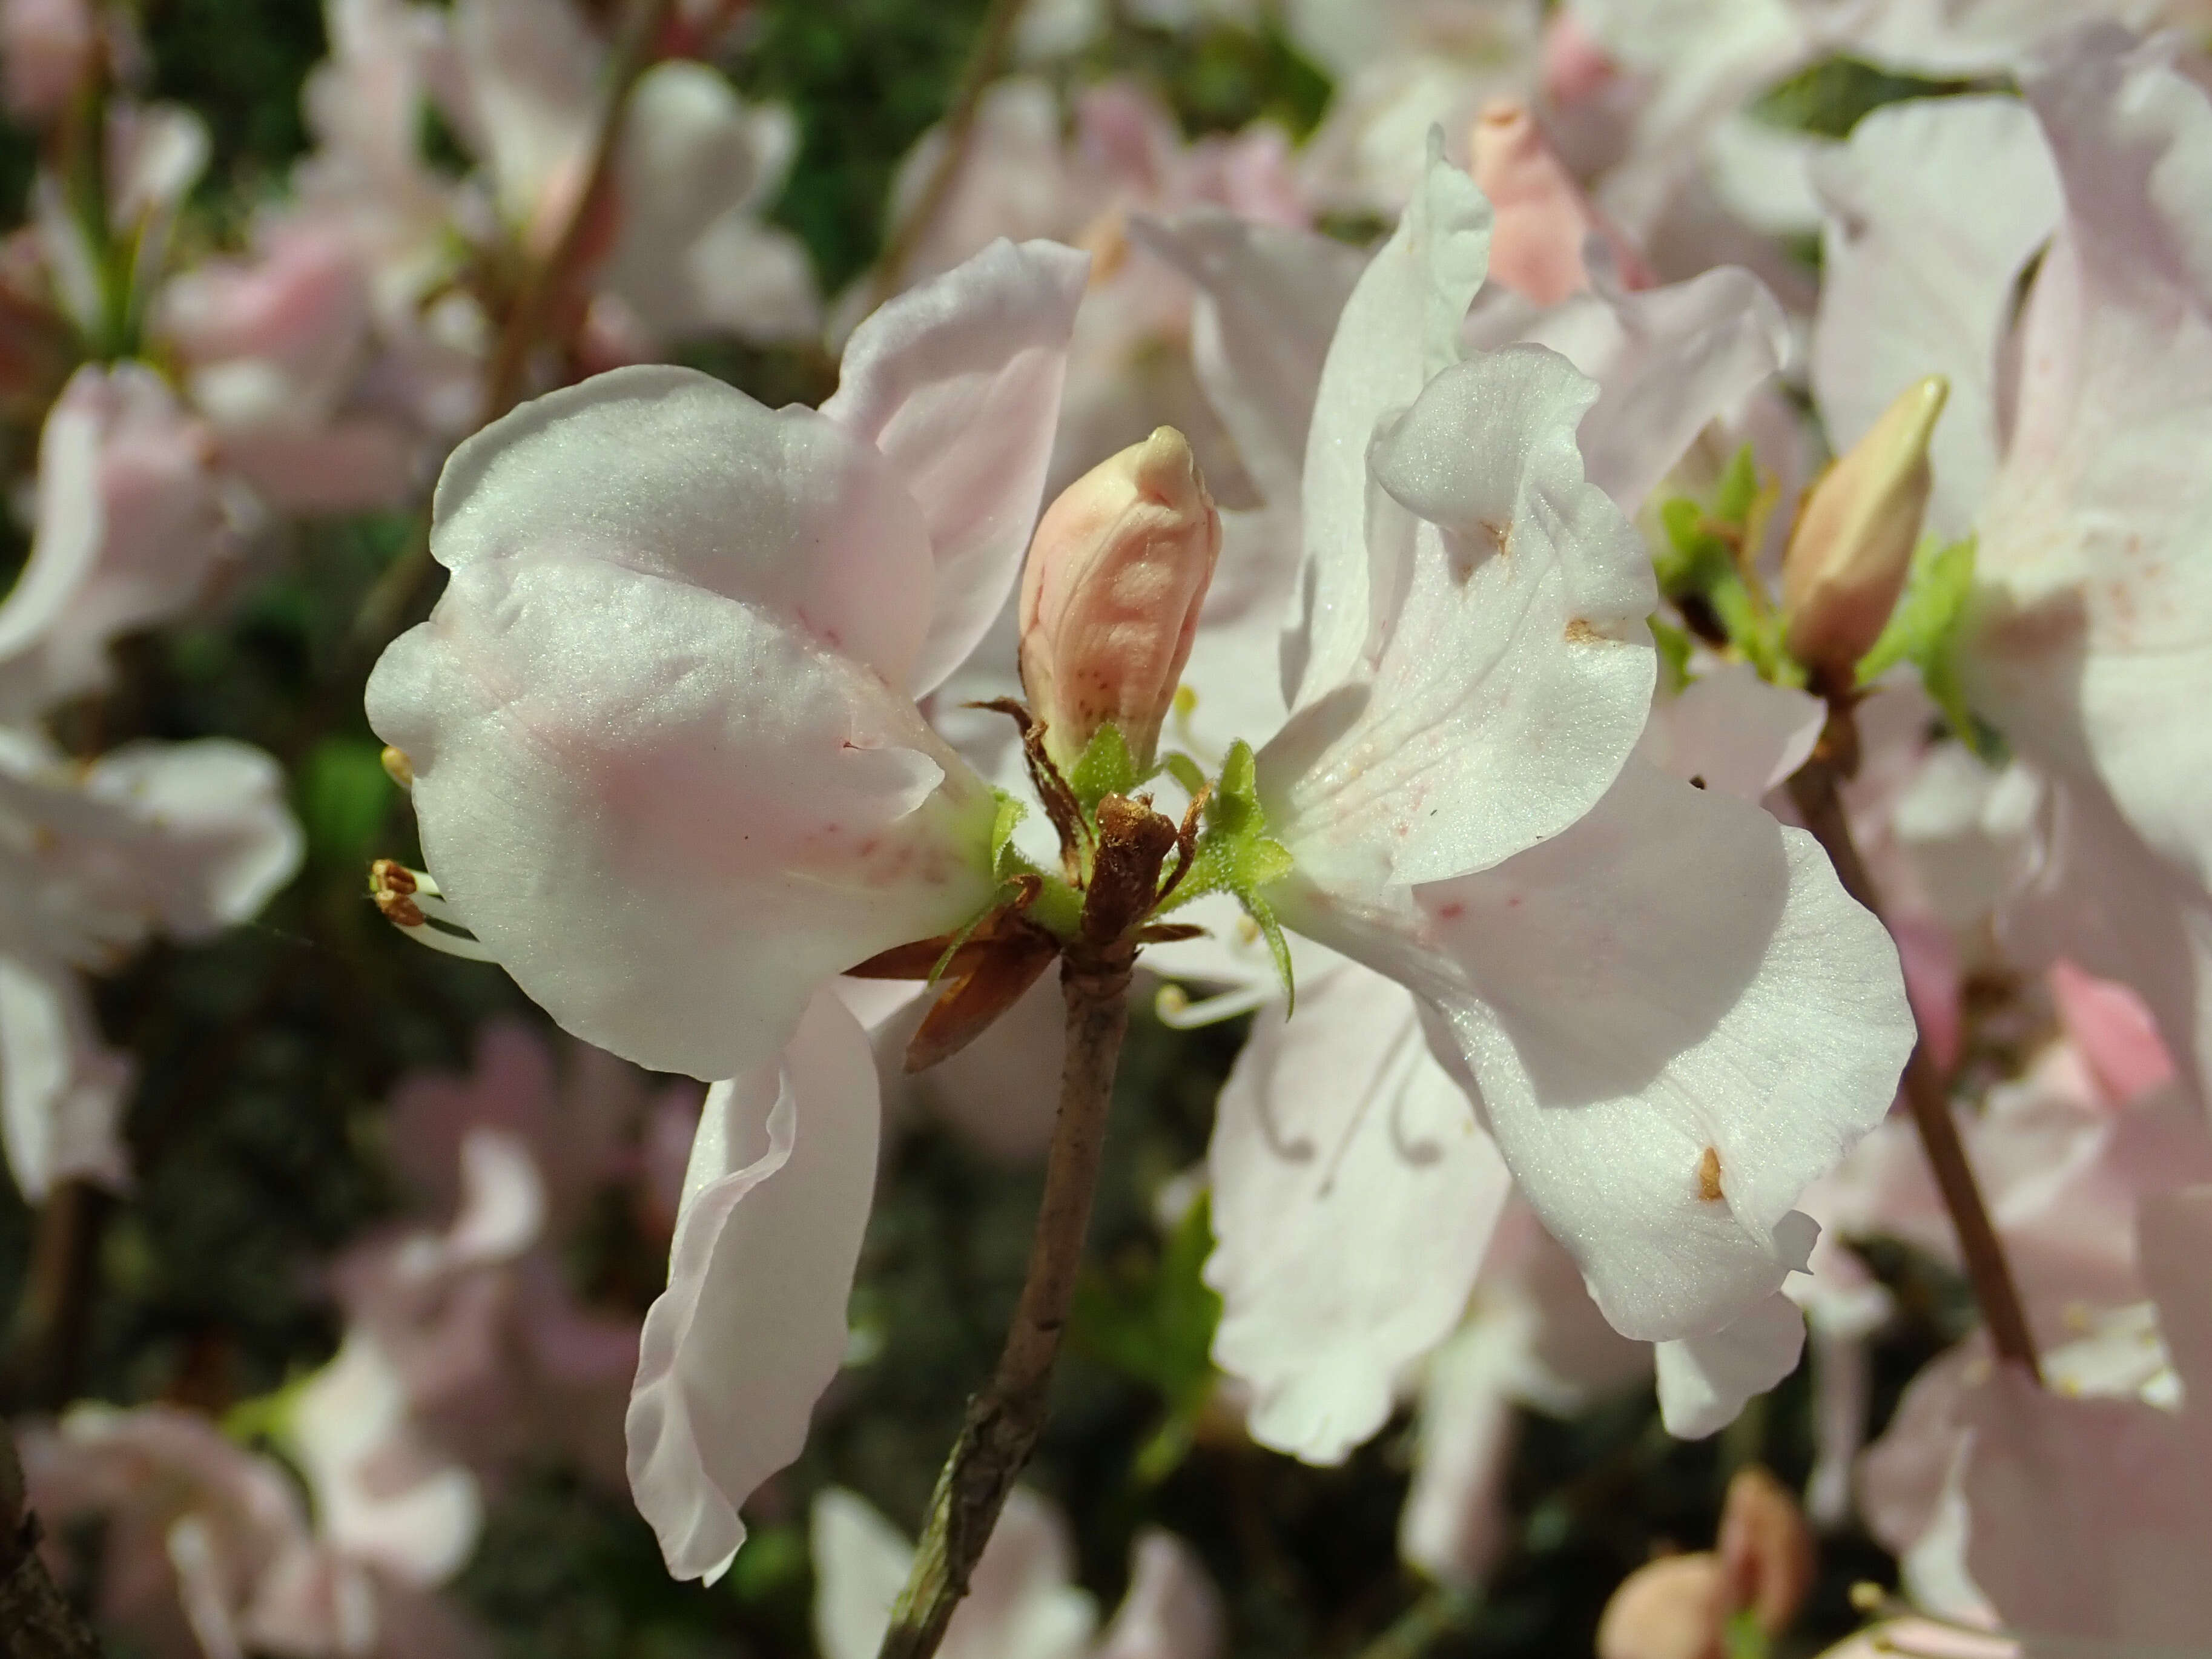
<point>1853,547</point>
<point>1542,218</point>
<point>1110,597</point>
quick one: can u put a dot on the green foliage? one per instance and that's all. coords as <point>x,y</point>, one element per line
<point>1831,97</point>
<point>1104,769</point>
<point>1152,1321</point>
<point>1236,855</point>
<point>1218,79</point>
<point>239,64</point>
<point>1703,562</point>
<point>1924,630</point>
<point>345,798</point>
<point>865,78</point>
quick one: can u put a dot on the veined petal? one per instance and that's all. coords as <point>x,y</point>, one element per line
<point>1934,207</point>
<point>670,814</point>
<point>1704,1381</point>
<point>751,1328</point>
<point>1269,297</point>
<point>670,472</point>
<point>1353,1196</point>
<point>2090,647</point>
<point>1510,665</point>
<point>1667,360</point>
<point>1677,1020</point>
<point>1398,330</point>
<point>958,382</point>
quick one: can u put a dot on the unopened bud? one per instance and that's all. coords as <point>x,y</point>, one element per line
<point>1670,1608</point>
<point>1110,596</point>
<point>1766,1550</point>
<point>1853,545</point>
<point>1542,218</point>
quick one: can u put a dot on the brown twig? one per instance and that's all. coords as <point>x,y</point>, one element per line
<point>1005,1419</point>
<point>48,1355</point>
<point>992,41</point>
<point>1816,790</point>
<point>36,1621</point>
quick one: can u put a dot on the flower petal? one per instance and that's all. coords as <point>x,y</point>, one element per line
<point>1510,667</point>
<point>668,813</point>
<point>1677,1020</point>
<point>1398,330</point>
<point>61,1088</point>
<point>958,382</point>
<point>751,1328</point>
<point>1934,207</point>
<point>1733,731</point>
<point>1269,297</point>
<point>670,472</point>
<point>1705,1381</point>
<point>1172,1610</point>
<point>1352,1199</point>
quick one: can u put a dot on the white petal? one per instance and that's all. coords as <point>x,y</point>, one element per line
<point>1677,1020</point>
<point>752,1328</point>
<point>1666,362</point>
<point>1454,1523</point>
<point>1511,671</point>
<point>1398,330</point>
<point>2091,645</point>
<point>1934,207</point>
<point>669,814</point>
<point>958,382</point>
<point>1353,1195</point>
<point>380,1496</point>
<point>223,840</point>
<point>860,1565</point>
<point>61,1088</point>
<point>1733,731</point>
<point>670,472</point>
<point>1705,1381</point>
<point>1269,297</point>
<point>1172,1610</point>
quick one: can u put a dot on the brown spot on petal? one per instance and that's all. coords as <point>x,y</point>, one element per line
<point>1708,1176</point>
<point>1580,632</point>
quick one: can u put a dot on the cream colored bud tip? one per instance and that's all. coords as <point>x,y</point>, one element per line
<point>1167,471</point>
<point>398,767</point>
<point>1916,411</point>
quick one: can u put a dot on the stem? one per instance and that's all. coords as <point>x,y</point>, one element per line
<point>1435,1616</point>
<point>57,1297</point>
<point>1004,1420</point>
<point>1815,789</point>
<point>992,40</point>
<point>36,1621</point>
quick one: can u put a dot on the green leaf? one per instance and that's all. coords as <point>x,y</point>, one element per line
<point>1104,769</point>
<point>344,797</point>
<point>1924,630</point>
<point>1737,493</point>
<point>1153,1321</point>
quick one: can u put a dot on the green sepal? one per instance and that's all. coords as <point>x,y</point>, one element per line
<point>1185,771</point>
<point>1674,648</point>
<point>1006,862</point>
<point>1263,917</point>
<point>1104,769</point>
<point>1700,562</point>
<point>1744,1636</point>
<point>1924,630</point>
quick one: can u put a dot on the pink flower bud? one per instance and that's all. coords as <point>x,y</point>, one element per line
<point>1670,1608</point>
<point>1853,545</point>
<point>1110,597</point>
<point>1543,219</point>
